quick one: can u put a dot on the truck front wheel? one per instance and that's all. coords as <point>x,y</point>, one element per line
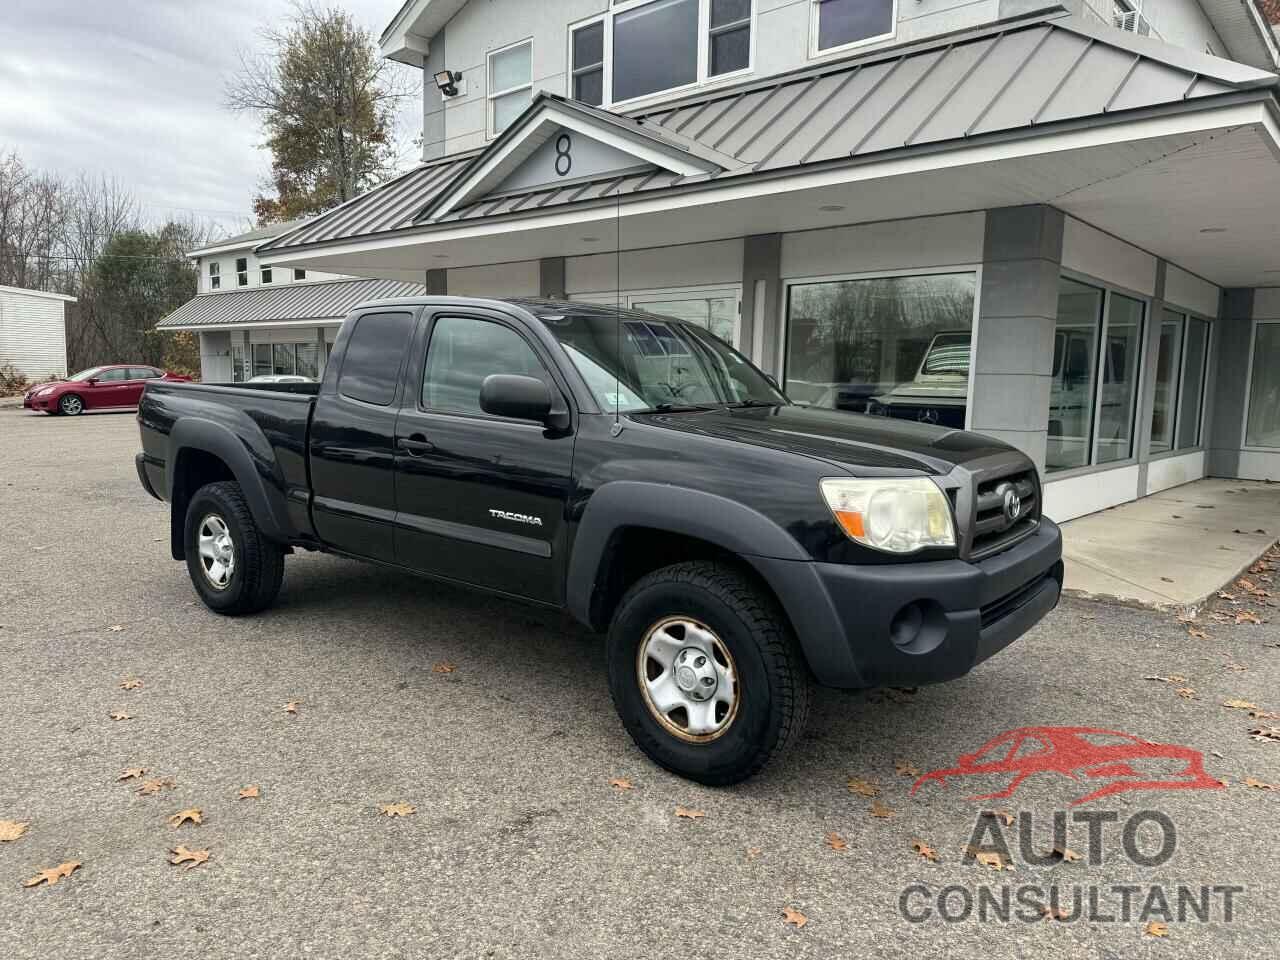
<point>705,672</point>
<point>233,567</point>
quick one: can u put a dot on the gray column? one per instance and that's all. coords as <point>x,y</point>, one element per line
<point>437,282</point>
<point>1150,365</point>
<point>551,278</point>
<point>1232,335</point>
<point>761,300</point>
<point>1017,311</point>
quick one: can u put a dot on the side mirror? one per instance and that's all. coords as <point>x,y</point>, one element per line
<point>92,381</point>
<point>521,398</point>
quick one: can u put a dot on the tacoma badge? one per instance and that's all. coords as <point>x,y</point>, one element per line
<point>517,517</point>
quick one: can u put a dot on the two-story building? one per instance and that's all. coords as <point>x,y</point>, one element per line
<point>254,318</point>
<point>1057,226</point>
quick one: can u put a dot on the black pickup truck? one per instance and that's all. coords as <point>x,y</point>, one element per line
<point>641,475</point>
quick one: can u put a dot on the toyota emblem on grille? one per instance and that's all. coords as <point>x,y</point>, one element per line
<point>1011,505</point>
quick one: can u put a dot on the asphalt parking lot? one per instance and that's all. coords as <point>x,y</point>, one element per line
<point>520,846</point>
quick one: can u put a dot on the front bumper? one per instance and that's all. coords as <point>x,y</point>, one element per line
<point>911,623</point>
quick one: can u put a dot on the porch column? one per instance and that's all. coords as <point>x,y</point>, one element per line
<point>551,278</point>
<point>1233,333</point>
<point>1017,311</point>
<point>437,282</point>
<point>760,323</point>
<point>1150,364</point>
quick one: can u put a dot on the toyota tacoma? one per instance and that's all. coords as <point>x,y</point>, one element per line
<point>639,474</point>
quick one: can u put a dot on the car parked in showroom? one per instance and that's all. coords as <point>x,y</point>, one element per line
<point>115,386</point>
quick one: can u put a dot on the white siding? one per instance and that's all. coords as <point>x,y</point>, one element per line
<point>691,264</point>
<point>918,244</point>
<point>33,334</point>
<point>280,276</point>
<point>1097,254</point>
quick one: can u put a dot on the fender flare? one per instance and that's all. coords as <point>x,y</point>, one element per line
<point>253,470</point>
<point>726,523</point>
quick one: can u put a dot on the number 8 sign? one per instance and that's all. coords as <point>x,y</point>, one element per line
<point>564,162</point>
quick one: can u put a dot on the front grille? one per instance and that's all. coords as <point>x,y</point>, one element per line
<point>990,530</point>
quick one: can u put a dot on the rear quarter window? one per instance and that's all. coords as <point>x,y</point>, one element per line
<point>375,349</point>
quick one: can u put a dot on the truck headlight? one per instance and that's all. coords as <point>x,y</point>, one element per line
<point>895,514</point>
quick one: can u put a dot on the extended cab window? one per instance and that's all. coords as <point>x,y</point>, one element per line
<point>465,350</point>
<point>371,365</point>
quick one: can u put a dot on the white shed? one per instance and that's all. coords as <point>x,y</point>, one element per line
<point>33,332</point>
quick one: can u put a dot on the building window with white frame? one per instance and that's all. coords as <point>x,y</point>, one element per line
<point>892,346</point>
<point>510,84</point>
<point>1262,428</point>
<point>265,275</point>
<point>215,275</point>
<point>299,274</point>
<point>641,48</point>
<point>838,24</point>
<point>242,271</point>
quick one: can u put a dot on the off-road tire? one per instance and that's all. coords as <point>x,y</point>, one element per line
<point>774,683</point>
<point>259,564</point>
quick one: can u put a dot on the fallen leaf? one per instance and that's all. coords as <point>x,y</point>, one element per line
<point>53,874</point>
<point>1055,913</point>
<point>11,830</point>
<point>444,667</point>
<point>131,683</point>
<point>836,842</point>
<point>117,628</point>
<point>1247,616</point>
<point>1237,667</point>
<point>863,788</point>
<point>1223,595</point>
<point>120,715</point>
<point>1248,782</point>
<point>1172,678</point>
<point>192,858</point>
<point>1197,634</point>
<point>622,783</point>
<point>926,852</point>
<point>1004,815</point>
<point>989,858</point>
<point>1066,854</point>
<point>133,773</point>
<point>905,768</point>
<point>1244,583</point>
<point>1156,928</point>
<point>151,787</point>
<point>292,706</point>
<point>689,814</point>
<point>794,917</point>
<point>1167,579</point>
<point>878,809</point>
<point>249,792</point>
<point>753,852</point>
<point>192,815</point>
<point>1265,733</point>
<point>1240,704</point>
<point>1186,693</point>
<point>1263,715</point>
<point>398,809</point>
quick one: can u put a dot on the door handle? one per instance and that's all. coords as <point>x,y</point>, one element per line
<point>415,445</point>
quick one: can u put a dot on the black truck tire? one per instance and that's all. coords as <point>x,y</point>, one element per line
<point>726,625</point>
<point>240,570</point>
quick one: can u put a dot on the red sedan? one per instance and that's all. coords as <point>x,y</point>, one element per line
<point>98,388</point>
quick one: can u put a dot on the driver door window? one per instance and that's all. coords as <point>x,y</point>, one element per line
<point>465,350</point>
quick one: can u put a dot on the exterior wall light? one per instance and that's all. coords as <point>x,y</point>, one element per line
<point>447,82</point>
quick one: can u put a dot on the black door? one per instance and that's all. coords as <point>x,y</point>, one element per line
<point>480,499</point>
<point>353,437</point>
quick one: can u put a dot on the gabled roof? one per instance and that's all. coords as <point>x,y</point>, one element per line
<point>1013,78</point>
<point>249,238</point>
<point>323,301</point>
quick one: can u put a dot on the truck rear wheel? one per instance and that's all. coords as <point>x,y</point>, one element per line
<point>705,672</point>
<point>233,567</point>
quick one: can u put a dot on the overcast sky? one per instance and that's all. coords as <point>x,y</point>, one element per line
<point>133,89</point>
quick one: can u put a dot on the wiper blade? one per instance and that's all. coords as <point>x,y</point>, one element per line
<point>678,408</point>
<point>741,404</point>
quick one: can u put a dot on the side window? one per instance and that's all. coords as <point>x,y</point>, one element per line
<point>465,350</point>
<point>142,373</point>
<point>372,361</point>
<point>116,375</point>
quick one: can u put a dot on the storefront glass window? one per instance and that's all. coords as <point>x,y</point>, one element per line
<point>717,314</point>
<point>1071,394</point>
<point>1192,392</point>
<point>308,364</point>
<point>261,359</point>
<point>1167,366</point>
<point>892,346</point>
<point>1119,378</point>
<point>1263,429</point>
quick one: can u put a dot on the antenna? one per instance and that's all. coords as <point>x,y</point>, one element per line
<point>617,305</point>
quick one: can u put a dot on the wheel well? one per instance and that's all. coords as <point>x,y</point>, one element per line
<point>633,552</point>
<point>192,470</point>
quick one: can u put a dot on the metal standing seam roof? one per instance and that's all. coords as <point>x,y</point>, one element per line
<point>1009,77</point>
<point>326,300</point>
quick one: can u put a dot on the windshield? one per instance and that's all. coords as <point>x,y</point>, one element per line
<point>948,354</point>
<point>657,364</point>
<point>86,374</point>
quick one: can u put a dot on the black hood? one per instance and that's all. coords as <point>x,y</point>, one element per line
<point>850,440</point>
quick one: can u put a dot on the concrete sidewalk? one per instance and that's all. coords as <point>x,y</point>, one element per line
<point>1173,549</point>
